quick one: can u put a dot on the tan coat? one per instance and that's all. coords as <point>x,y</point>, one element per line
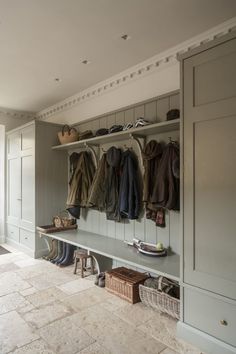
<point>81,181</point>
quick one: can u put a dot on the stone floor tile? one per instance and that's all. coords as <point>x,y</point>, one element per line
<point>14,332</point>
<point>114,303</point>
<point>39,282</point>
<point>76,286</point>
<point>11,302</point>
<point>28,262</point>
<point>36,347</point>
<point>86,298</point>
<point>115,334</point>
<point>8,267</point>
<point>46,296</point>
<point>28,291</point>
<point>46,314</point>
<point>135,314</point>
<point>163,328</point>
<point>35,270</point>
<point>95,348</point>
<point>25,307</point>
<point>168,351</point>
<point>64,337</point>
<point>11,282</point>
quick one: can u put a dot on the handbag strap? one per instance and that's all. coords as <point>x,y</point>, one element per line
<point>65,128</point>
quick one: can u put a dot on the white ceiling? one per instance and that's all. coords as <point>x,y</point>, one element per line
<point>44,39</point>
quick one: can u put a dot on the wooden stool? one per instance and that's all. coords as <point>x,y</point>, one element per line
<point>82,256</point>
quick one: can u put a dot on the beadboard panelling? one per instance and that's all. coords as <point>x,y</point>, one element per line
<point>153,110</point>
<point>91,220</point>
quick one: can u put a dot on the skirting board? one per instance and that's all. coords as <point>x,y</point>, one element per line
<point>34,254</point>
<point>19,247</point>
<point>201,340</point>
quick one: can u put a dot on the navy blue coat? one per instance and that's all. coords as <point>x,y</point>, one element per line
<point>129,195</point>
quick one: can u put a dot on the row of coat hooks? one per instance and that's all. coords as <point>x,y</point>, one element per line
<point>89,147</point>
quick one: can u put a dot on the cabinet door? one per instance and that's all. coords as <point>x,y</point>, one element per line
<point>13,190</point>
<point>13,145</point>
<point>27,218</point>
<point>210,169</point>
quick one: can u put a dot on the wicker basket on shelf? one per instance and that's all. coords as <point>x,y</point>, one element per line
<point>68,135</point>
<point>160,301</point>
<point>63,220</point>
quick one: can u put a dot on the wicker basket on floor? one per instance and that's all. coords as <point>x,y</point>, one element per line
<point>124,283</point>
<point>160,301</point>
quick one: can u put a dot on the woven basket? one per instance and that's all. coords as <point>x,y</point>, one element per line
<point>159,301</point>
<point>124,283</point>
<point>68,135</point>
<point>63,220</point>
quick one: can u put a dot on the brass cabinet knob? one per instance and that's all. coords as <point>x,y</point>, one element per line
<point>223,322</point>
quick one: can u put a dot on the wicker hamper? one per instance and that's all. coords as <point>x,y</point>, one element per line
<point>124,282</point>
<point>160,301</point>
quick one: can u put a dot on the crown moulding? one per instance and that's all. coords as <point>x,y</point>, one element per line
<point>158,62</point>
<point>17,114</point>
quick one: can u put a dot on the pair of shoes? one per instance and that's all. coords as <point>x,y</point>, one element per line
<point>128,126</point>
<point>100,280</point>
<point>141,122</point>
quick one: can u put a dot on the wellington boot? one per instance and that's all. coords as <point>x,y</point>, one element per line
<point>51,251</point>
<point>54,250</point>
<point>63,255</point>
<point>69,258</point>
<point>59,252</point>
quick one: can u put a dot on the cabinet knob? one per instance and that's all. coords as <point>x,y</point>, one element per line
<point>26,238</point>
<point>223,322</point>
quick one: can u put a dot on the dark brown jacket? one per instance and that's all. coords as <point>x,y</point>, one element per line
<point>166,186</point>
<point>151,160</point>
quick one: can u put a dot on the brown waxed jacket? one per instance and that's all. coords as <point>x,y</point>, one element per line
<point>81,181</point>
<point>98,188</point>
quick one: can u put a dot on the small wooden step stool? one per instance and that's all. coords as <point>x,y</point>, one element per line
<point>82,256</point>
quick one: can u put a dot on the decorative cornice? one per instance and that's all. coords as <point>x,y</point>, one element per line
<point>157,62</point>
<point>17,114</point>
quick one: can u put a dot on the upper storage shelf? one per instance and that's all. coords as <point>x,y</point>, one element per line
<point>151,129</point>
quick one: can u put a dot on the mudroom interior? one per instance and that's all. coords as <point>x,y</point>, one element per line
<point>118,177</point>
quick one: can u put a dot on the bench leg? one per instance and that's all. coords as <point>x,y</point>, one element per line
<point>75,269</point>
<point>92,265</point>
<point>82,268</point>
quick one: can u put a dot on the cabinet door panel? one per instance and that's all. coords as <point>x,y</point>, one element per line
<point>27,138</point>
<point>14,191</point>
<point>210,170</point>
<point>27,185</point>
<point>13,144</point>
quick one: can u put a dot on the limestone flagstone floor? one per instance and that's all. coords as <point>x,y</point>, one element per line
<point>48,310</point>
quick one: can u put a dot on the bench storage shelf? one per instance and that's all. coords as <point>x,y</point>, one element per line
<point>120,251</point>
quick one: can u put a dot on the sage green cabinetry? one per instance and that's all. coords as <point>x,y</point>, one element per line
<point>36,183</point>
<point>209,189</point>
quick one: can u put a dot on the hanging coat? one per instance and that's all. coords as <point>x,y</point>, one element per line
<point>129,198</point>
<point>80,183</point>
<point>97,191</point>
<point>166,188</point>
<point>113,159</point>
<point>151,161</point>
